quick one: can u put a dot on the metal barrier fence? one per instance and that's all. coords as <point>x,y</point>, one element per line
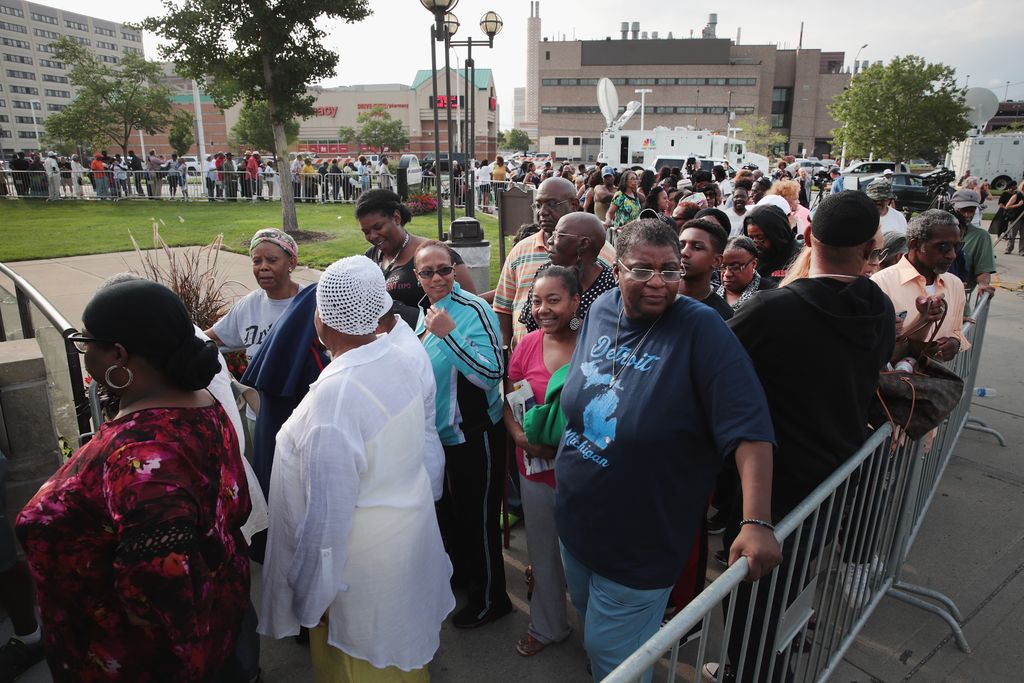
<point>63,363</point>
<point>230,186</point>
<point>844,548</point>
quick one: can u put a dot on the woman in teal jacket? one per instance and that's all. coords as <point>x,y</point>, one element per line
<point>461,335</point>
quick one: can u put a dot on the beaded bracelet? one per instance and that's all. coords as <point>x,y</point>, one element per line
<point>759,522</point>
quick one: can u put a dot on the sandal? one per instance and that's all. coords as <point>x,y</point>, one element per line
<point>529,646</point>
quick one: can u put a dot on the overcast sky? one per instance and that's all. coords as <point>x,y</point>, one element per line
<point>978,38</point>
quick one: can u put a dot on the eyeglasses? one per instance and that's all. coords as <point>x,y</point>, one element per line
<point>550,205</point>
<point>736,267</point>
<point>945,247</point>
<point>80,341</point>
<point>645,274</point>
<point>558,234</point>
<point>427,273</point>
<point>877,256</point>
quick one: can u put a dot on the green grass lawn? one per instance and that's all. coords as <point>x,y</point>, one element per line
<point>36,230</point>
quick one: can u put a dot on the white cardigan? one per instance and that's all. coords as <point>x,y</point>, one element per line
<point>353,531</point>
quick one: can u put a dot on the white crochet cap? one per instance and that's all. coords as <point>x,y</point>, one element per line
<point>351,297</point>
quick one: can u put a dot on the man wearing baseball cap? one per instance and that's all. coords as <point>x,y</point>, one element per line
<point>979,259</point>
<point>837,180</point>
<point>819,409</point>
<point>890,220</point>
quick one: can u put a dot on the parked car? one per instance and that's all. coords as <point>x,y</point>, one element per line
<point>192,164</point>
<point>911,189</point>
<point>812,166</point>
<point>875,167</point>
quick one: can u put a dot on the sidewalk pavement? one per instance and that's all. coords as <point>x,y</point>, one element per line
<point>971,546</point>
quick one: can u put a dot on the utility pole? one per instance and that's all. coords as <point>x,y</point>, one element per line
<point>642,92</point>
<point>198,106</point>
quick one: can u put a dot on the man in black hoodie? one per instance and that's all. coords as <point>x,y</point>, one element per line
<point>818,400</point>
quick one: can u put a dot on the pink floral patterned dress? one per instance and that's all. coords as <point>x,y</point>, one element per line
<point>136,551</point>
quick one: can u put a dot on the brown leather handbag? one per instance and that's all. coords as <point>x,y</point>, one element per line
<point>917,402</point>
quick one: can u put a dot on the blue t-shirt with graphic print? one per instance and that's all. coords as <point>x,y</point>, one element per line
<point>639,456</point>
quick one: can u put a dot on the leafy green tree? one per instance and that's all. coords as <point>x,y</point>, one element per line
<point>378,130</point>
<point>903,110</point>
<point>253,50</point>
<point>501,140</point>
<point>180,136</point>
<point>757,132</point>
<point>348,134</point>
<point>255,129</point>
<point>516,139</point>
<point>113,102</point>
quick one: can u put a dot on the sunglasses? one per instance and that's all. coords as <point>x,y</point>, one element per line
<point>427,274</point>
<point>80,341</point>
<point>877,256</point>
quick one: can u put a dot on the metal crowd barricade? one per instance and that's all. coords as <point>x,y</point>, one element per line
<point>845,546</point>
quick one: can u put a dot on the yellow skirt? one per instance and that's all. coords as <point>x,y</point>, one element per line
<point>331,665</point>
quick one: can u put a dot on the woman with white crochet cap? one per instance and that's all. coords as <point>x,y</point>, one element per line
<point>354,551</point>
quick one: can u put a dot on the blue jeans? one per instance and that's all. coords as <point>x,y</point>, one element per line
<point>616,619</point>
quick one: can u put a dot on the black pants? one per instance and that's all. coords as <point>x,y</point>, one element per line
<point>767,616</point>
<point>473,481</point>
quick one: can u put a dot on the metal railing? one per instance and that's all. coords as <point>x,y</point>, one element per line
<point>844,547</point>
<point>26,297</point>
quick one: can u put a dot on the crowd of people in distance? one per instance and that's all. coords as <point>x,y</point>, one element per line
<point>632,355</point>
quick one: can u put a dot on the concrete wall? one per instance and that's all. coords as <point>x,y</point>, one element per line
<point>27,435</point>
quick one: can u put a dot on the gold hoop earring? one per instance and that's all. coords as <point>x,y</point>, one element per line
<point>111,384</point>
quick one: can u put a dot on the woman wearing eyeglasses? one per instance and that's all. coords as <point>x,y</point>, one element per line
<point>461,335</point>
<point>383,218</point>
<point>135,543</point>
<point>739,277</point>
<point>631,498</point>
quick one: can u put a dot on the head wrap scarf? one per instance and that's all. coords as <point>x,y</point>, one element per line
<point>275,236</point>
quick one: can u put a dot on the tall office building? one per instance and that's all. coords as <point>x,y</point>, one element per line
<point>532,104</point>
<point>33,83</point>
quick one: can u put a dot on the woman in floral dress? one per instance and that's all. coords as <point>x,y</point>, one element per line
<point>134,544</point>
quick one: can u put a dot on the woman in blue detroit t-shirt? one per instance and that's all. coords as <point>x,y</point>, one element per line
<point>659,392</point>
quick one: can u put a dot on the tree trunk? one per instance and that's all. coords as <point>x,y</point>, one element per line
<point>289,220</point>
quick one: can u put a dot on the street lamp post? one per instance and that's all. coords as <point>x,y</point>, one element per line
<point>491,25</point>
<point>438,34</point>
<point>642,92</point>
<point>842,154</point>
<point>35,122</point>
<point>696,108</point>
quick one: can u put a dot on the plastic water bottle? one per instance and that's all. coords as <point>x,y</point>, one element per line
<point>984,392</point>
<point>908,365</point>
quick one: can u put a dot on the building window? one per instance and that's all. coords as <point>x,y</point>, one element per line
<point>104,31</point>
<point>3,103</point>
<point>83,41</point>
<point>14,42</point>
<point>17,59</point>
<point>24,90</point>
<point>561,141</point>
<point>4,118</point>
<point>134,37</point>
<point>76,25</point>
<point>640,81</point>
<point>108,59</point>
<point>8,26</point>
<point>56,107</point>
<point>782,101</point>
<point>51,64</point>
<point>27,119</point>
<point>44,18</point>
<point>15,73</point>
<point>48,49</point>
<point>43,33</point>
<point>11,11</point>
<point>5,133</point>
<point>128,50</point>
<point>50,78</point>
<point>27,134</point>
<point>21,104</point>
<point>56,93</point>
<point>547,55</point>
<point>106,46</point>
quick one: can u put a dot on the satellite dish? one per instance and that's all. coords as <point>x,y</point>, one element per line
<point>982,105</point>
<point>607,100</point>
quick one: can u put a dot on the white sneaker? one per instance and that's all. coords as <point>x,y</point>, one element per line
<point>855,583</point>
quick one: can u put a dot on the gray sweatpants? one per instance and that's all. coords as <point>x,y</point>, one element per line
<point>548,620</point>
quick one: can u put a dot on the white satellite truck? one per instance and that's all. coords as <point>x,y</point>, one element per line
<point>652,148</point>
<point>996,157</point>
